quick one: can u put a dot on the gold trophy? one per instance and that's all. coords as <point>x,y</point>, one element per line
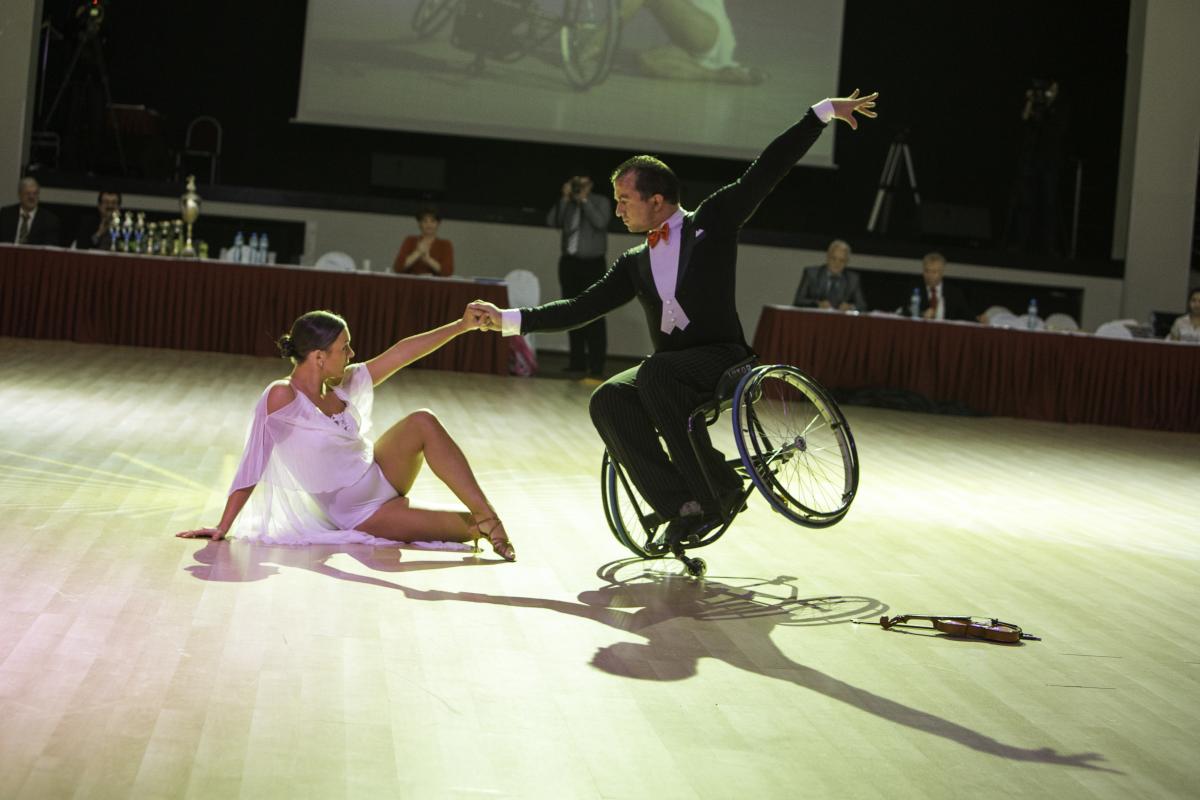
<point>139,233</point>
<point>114,230</point>
<point>189,209</point>
<point>152,238</point>
<point>177,238</point>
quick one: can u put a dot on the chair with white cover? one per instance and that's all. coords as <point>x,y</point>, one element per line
<point>1117,329</point>
<point>1061,322</point>
<point>524,290</point>
<point>1004,319</point>
<point>336,260</point>
<point>994,311</point>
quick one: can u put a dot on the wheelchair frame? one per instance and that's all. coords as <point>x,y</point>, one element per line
<point>762,454</point>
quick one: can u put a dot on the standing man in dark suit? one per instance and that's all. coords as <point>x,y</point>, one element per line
<point>940,300</point>
<point>831,285</point>
<point>684,276</point>
<point>582,216</point>
<point>27,222</point>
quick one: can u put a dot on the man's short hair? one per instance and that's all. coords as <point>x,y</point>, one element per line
<point>651,177</point>
<point>100,196</point>
<point>27,179</point>
<point>934,256</point>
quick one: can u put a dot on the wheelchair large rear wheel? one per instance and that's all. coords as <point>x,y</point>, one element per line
<point>795,444</point>
<point>629,516</point>
<point>590,32</point>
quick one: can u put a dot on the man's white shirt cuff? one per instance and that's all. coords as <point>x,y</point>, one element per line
<point>510,322</point>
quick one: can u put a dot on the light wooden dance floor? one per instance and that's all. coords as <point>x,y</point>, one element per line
<point>134,664</point>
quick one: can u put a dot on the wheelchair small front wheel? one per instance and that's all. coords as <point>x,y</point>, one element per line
<point>431,16</point>
<point>795,444</point>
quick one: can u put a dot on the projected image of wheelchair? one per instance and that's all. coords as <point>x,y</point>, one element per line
<point>508,30</point>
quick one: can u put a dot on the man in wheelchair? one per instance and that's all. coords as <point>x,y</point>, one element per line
<point>684,277</point>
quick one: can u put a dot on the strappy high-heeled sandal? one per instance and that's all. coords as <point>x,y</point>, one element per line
<point>495,534</point>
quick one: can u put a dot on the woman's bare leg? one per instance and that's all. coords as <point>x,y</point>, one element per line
<point>400,522</point>
<point>420,437</point>
<point>687,26</point>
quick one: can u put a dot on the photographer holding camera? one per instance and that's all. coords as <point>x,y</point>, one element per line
<point>1035,223</point>
<point>583,219</point>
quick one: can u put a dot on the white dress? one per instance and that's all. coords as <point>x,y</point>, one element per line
<point>315,476</point>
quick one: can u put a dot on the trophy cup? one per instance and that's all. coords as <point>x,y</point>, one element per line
<point>152,238</point>
<point>126,231</point>
<point>177,238</point>
<point>139,233</point>
<point>114,230</point>
<point>189,209</point>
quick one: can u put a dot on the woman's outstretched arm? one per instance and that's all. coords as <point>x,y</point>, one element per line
<point>408,350</point>
<point>233,506</point>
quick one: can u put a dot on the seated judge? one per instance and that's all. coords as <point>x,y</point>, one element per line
<point>426,254</point>
<point>831,285</point>
<point>93,233</point>
<point>27,222</point>
<point>940,300</point>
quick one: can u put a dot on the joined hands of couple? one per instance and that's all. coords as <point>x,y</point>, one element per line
<point>482,315</point>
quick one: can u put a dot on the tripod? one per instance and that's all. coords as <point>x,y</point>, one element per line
<point>89,38</point>
<point>882,209</point>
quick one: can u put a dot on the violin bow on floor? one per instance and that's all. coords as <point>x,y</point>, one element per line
<point>992,630</point>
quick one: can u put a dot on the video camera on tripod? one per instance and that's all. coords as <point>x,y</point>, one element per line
<point>90,15</point>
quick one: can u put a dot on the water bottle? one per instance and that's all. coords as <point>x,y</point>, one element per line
<point>264,249</point>
<point>1031,314</point>
<point>914,304</point>
<point>235,252</point>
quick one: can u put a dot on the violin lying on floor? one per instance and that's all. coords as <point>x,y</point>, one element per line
<point>992,630</point>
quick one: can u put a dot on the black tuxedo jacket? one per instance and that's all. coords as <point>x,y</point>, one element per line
<point>706,281</point>
<point>952,296</point>
<point>814,288</point>
<point>45,228</point>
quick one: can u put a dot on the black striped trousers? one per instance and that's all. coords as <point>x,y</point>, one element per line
<point>632,409</point>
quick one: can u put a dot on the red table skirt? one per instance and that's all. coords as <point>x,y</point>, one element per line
<point>102,298</point>
<point>1016,373</point>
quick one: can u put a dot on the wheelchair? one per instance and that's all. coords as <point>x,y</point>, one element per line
<point>507,30</point>
<point>794,447</point>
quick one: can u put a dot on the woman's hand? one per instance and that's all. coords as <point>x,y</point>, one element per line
<point>216,534</point>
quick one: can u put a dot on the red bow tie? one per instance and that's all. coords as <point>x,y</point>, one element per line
<point>663,233</point>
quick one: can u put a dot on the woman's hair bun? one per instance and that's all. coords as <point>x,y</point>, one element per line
<point>286,348</point>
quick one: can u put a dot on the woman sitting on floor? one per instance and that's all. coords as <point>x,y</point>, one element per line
<point>318,477</point>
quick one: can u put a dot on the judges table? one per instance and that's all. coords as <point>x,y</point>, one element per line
<point>1064,377</point>
<point>106,298</point>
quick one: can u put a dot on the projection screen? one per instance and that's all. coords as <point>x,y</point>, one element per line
<point>706,77</point>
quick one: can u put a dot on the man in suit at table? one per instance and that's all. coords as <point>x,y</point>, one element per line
<point>93,232</point>
<point>831,285</point>
<point>27,222</point>
<point>684,277</point>
<point>940,300</point>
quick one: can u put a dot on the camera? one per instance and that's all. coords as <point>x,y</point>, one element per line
<point>1042,92</point>
<point>576,185</point>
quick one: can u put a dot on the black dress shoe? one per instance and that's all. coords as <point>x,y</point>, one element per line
<point>690,528</point>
